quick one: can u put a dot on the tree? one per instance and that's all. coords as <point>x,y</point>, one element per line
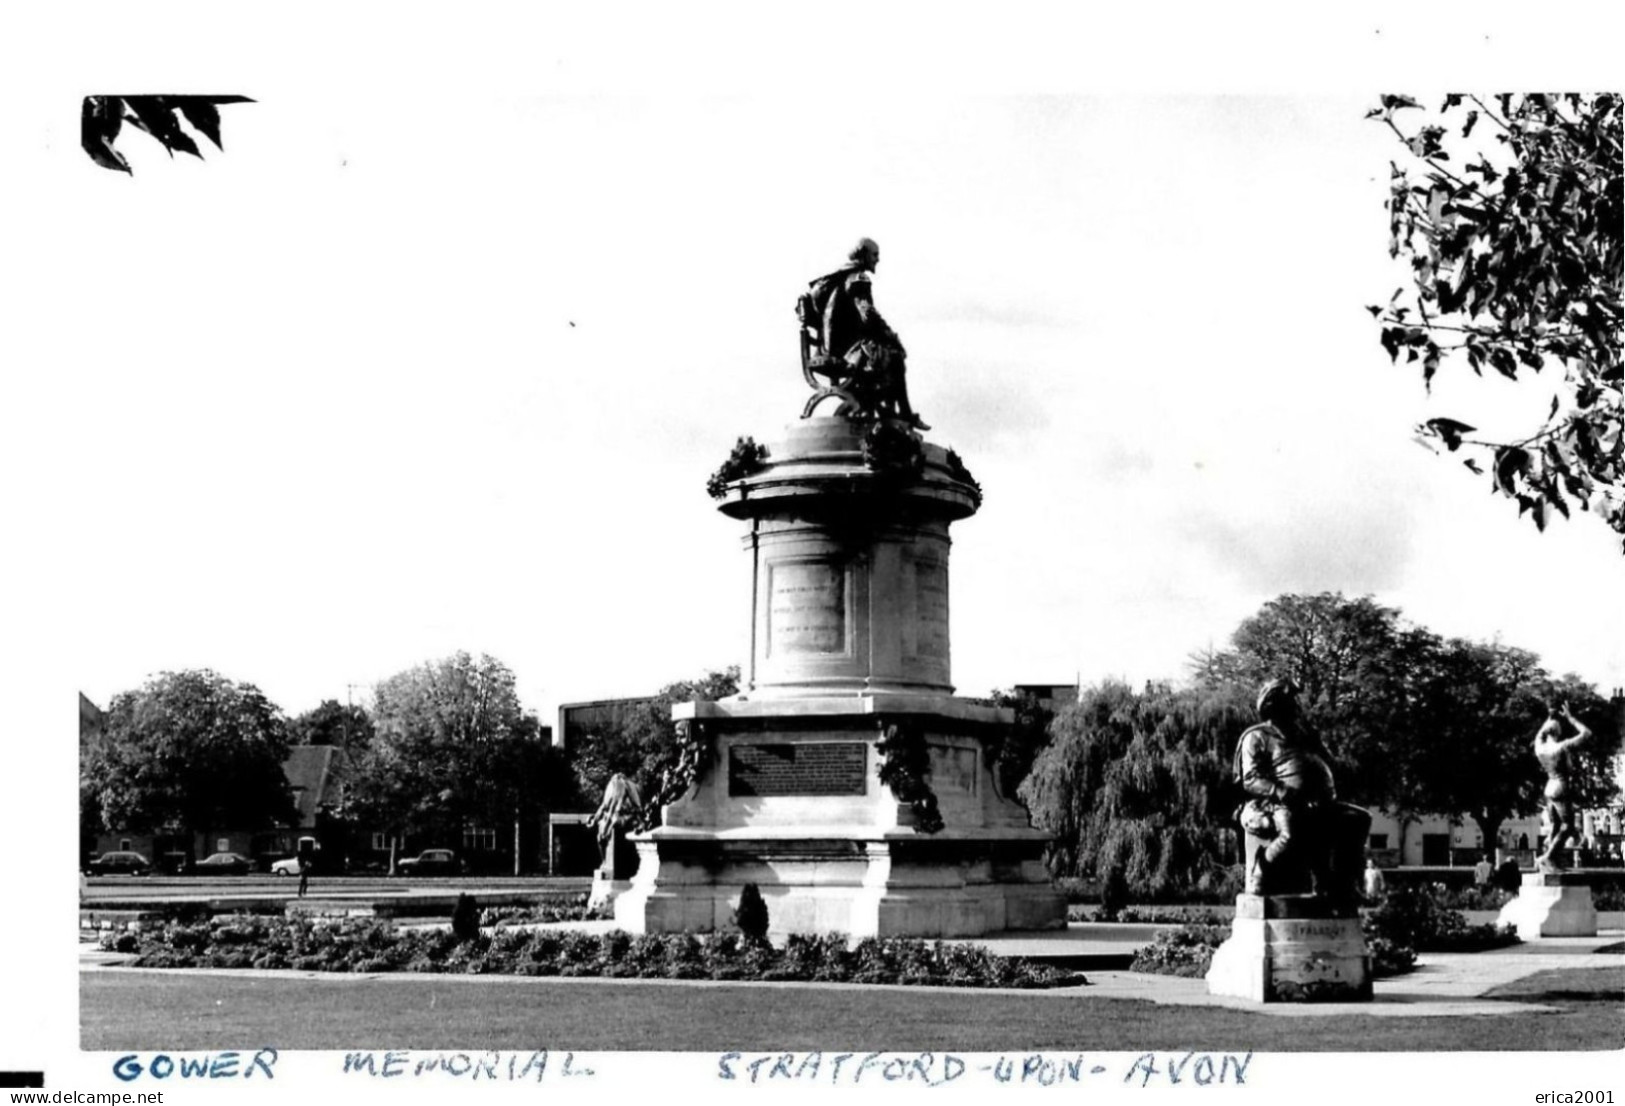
<point>1135,789</point>
<point>1483,704</point>
<point>452,747</point>
<point>101,118</point>
<point>332,723</point>
<point>1023,742</point>
<point>643,747</point>
<point>1352,660</point>
<point>1514,247</point>
<point>1415,724</point>
<point>190,751</point>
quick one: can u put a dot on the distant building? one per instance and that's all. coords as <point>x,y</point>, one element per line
<point>584,721</point>
<point>1051,697</point>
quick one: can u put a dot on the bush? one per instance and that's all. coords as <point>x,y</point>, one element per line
<point>370,946</point>
<point>465,918</point>
<point>1417,918</point>
<point>1185,950</point>
<point>751,914</point>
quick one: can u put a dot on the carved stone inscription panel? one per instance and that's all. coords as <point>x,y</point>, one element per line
<point>811,768</point>
<point>931,606</point>
<point>807,608</point>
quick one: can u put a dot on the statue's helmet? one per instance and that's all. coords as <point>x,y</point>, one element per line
<point>1275,696</point>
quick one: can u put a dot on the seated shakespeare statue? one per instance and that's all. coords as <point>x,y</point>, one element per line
<point>1297,834</point>
<point>854,334</point>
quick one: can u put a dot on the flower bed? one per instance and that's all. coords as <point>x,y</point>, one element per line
<point>367,945</point>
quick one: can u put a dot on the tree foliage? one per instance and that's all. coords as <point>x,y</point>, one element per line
<point>1022,744</point>
<point>644,745</point>
<point>453,747</point>
<point>102,118</point>
<point>1511,227</point>
<point>1416,723</point>
<point>189,751</point>
<point>1134,788</point>
<point>348,727</point>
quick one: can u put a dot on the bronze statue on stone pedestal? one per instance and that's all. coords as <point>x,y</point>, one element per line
<point>1298,836</point>
<point>1556,758</point>
<point>845,340</point>
<point>616,814</point>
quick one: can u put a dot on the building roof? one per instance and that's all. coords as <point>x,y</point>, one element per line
<point>312,772</point>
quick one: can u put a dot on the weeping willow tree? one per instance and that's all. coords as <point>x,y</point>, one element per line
<point>1136,789</point>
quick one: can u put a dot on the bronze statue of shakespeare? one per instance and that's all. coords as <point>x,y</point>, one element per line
<point>1557,759</point>
<point>1297,834</point>
<point>845,339</point>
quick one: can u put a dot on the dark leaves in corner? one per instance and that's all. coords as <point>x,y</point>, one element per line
<point>103,117</point>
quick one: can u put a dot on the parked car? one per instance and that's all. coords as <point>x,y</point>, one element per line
<point>120,864</point>
<point>431,862</point>
<point>287,867</point>
<point>224,864</point>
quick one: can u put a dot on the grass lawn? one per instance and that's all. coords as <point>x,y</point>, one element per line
<point>182,1010</point>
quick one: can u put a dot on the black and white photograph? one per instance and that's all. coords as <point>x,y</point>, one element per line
<point>886,548</point>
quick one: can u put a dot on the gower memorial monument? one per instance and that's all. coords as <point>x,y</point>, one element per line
<point>1296,935</point>
<point>846,780</point>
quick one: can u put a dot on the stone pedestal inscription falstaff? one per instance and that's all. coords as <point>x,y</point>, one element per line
<point>846,780</point>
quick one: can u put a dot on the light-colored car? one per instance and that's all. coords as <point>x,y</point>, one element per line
<point>288,867</point>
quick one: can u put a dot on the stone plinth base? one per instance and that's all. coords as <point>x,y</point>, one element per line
<point>1551,904</point>
<point>1292,948</point>
<point>606,889</point>
<point>864,885</point>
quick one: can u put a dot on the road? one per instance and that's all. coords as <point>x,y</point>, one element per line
<point>112,889</point>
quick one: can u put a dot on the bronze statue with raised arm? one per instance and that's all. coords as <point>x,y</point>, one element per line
<point>1557,758</point>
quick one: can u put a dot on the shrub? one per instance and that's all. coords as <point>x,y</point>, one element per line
<point>751,914</point>
<point>373,947</point>
<point>1417,918</point>
<point>465,918</point>
<point>1183,951</point>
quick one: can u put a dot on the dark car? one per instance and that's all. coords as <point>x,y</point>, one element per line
<point>431,862</point>
<point>224,864</point>
<point>120,864</point>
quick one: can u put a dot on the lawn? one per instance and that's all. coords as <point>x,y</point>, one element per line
<point>194,1011</point>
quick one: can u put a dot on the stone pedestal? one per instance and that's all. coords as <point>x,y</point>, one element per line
<point>1551,904</point>
<point>849,551</point>
<point>1292,948</point>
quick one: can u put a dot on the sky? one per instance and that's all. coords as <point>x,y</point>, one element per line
<point>438,353</point>
<point>375,385</point>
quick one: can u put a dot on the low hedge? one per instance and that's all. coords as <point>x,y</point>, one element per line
<point>369,945</point>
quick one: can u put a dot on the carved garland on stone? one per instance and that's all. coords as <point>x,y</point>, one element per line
<point>679,780</point>
<point>905,767</point>
<point>957,469</point>
<point>747,459</point>
<point>889,447</point>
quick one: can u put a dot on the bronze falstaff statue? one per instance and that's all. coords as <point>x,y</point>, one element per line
<point>1298,836</point>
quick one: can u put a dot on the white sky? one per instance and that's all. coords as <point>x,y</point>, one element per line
<point>395,376</point>
<point>313,410</point>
